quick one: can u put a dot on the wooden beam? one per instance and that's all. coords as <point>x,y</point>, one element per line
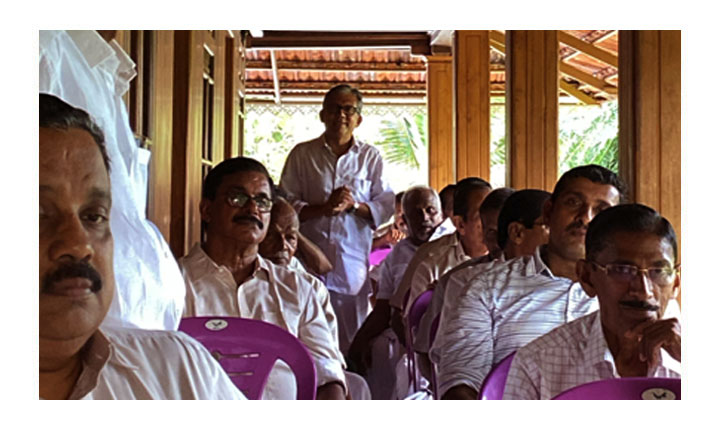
<point>586,78</point>
<point>497,41</point>
<point>326,85</point>
<point>589,49</point>
<point>419,42</point>
<point>441,151</point>
<point>577,93</point>
<point>335,66</point>
<point>471,62</point>
<point>276,83</point>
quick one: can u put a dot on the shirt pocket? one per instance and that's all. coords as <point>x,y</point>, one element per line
<point>360,188</point>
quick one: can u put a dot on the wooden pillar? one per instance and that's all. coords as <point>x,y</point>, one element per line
<point>160,181</point>
<point>649,111</point>
<point>532,108</point>
<point>187,135</point>
<point>440,121</point>
<point>471,61</point>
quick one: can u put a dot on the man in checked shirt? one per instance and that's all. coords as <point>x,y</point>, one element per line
<point>516,301</point>
<point>632,269</point>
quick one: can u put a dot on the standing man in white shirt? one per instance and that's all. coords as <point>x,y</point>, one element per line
<point>77,284</point>
<point>226,276</point>
<point>632,269</point>
<point>338,187</point>
<point>514,302</point>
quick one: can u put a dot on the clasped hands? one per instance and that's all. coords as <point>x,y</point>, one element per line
<point>340,200</point>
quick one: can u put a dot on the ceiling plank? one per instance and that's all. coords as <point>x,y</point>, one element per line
<point>587,78</point>
<point>588,49</point>
<point>339,66</point>
<point>497,41</point>
<point>419,42</point>
<point>577,93</point>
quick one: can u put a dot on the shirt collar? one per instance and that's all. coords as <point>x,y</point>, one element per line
<point>354,144</point>
<point>198,256</point>
<point>108,56</point>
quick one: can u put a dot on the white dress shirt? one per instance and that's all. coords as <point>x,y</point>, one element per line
<point>311,172</point>
<point>451,283</point>
<point>393,267</point>
<point>431,261</point>
<point>502,309</point>
<point>141,364</point>
<point>272,294</point>
<point>573,354</point>
<point>88,73</point>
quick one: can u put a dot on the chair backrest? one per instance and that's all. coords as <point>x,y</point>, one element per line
<point>630,388</point>
<point>247,350</point>
<point>494,385</point>
<point>417,310</point>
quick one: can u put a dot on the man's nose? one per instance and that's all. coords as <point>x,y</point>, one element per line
<point>586,214</point>
<point>71,240</point>
<point>642,287</point>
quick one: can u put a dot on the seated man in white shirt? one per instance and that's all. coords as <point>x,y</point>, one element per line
<point>631,267</point>
<point>519,230</point>
<point>375,349</point>
<point>77,359</point>
<point>279,246</point>
<point>225,276</point>
<point>514,302</point>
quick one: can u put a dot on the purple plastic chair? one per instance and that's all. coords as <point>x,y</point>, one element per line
<point>631,388</point>
<point>378,255</point>
<point>417,310</point>
<point>494,385</point>
<point>247,350</point>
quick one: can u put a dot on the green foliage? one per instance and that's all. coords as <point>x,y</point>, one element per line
<point>595,144</point>
<point>402,140</point>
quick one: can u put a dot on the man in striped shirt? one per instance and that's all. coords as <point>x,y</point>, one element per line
<point>514,302</point>
<point>631,268</point>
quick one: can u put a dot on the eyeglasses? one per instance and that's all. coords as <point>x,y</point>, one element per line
<point>236,198</point>
<point>347,109</point>
<point>624,273</point>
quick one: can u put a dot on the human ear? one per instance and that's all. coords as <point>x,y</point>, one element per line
<point>459,224</point>
<point>205,209</point>
<point>516,233</point>
<point>582,268</point>
<point>547,211</point>
<point>676,287</point>
<point>359,120</point>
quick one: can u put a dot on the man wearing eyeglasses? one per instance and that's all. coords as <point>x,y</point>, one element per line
<point>225,276</point>
<point>521,299</point>
<point>632,269</point>
<point>338,187</point>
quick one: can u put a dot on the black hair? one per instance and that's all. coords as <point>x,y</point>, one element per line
<point>228,167</point>
<point>626,218</point>
<point>594,173</point>
<point>444,195</point>
<point>58,114</point>
<point>495,200</point>
<point>523,206</point>
<point>398,198</point>
<point>463,188</point>
<point>342,88</point>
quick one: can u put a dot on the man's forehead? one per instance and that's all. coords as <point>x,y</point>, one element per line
<point>633,247</point>
<point>343,97</point>
<point>244,180</point>
<point>70,154</point>
<point>590,190</point>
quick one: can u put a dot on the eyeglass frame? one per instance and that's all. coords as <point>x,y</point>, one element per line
<point>637,270</point>
<point>233,193</point>
<point>347,109</point>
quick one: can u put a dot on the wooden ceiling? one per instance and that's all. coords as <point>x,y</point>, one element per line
<point>389,67</point>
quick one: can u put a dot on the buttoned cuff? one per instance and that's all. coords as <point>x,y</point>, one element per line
<point>329,371</point>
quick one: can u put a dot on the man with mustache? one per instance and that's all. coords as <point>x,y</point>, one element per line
<point>338,186</point>
<point>632,269</point>
<point>225,275</point>
<point>516,301</point>
<point>283,239</point>
<point>375,350</point>
<point>77,359</point>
